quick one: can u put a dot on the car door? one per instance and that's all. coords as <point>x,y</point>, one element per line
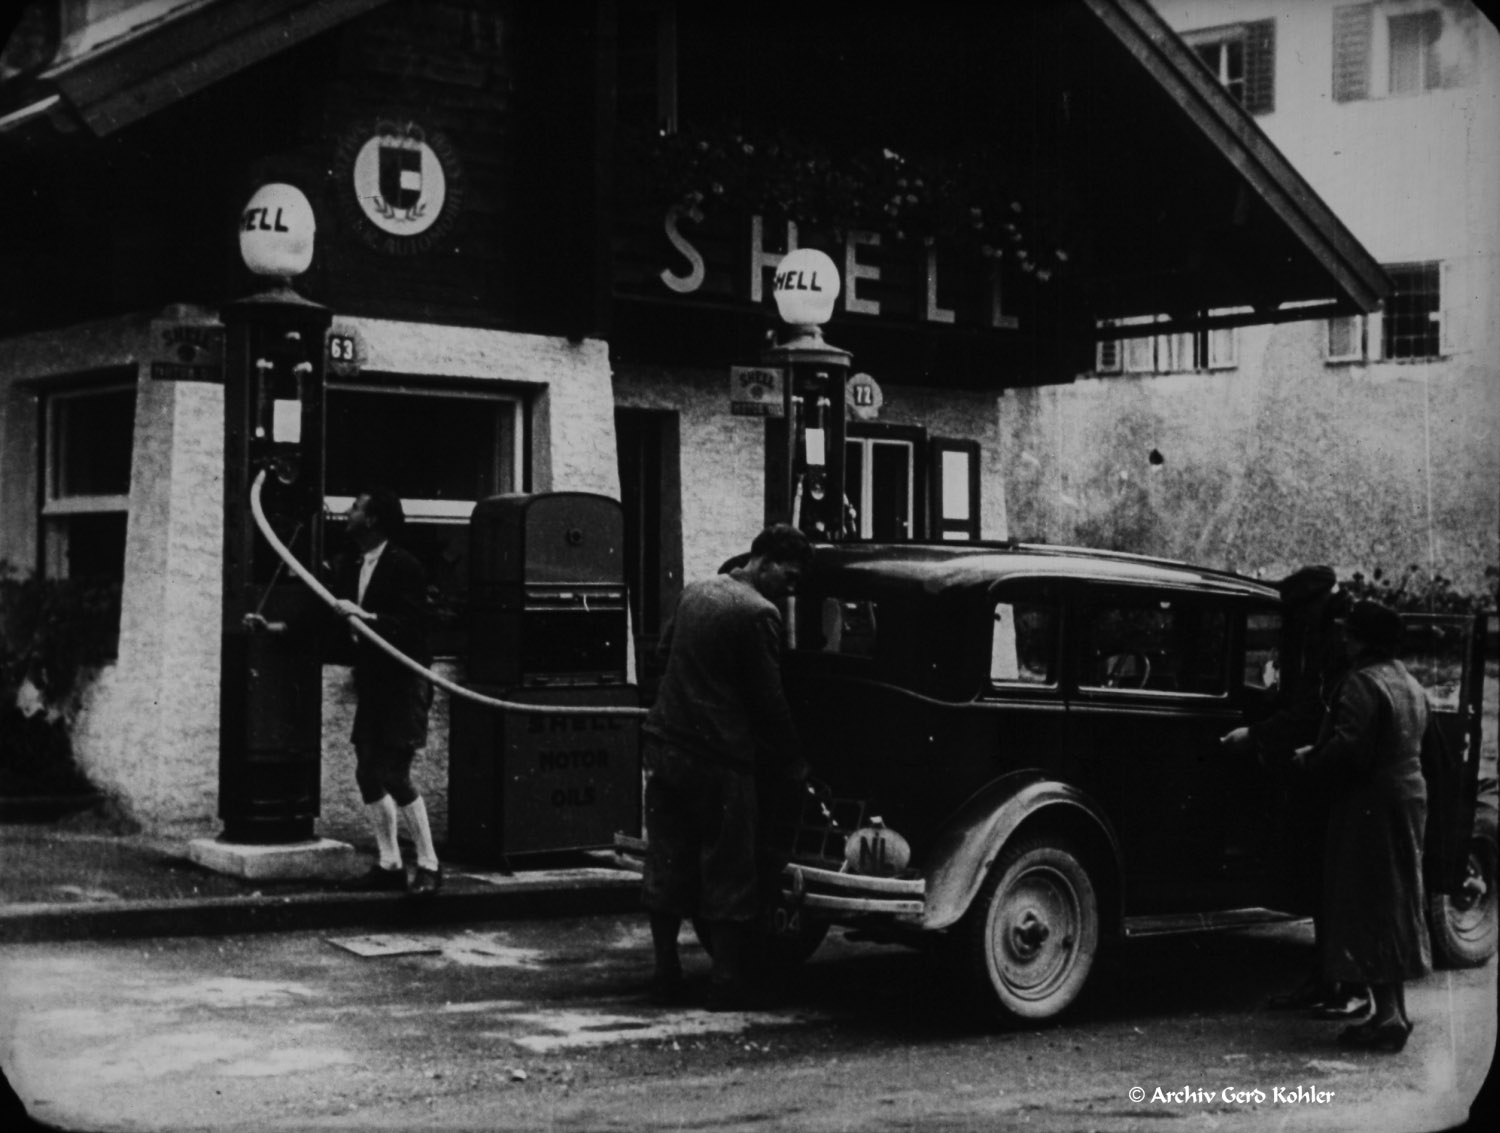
<point>1444,652</point>
<point>1148,701</point>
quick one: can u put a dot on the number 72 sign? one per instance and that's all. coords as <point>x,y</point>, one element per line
<point>863,397</point>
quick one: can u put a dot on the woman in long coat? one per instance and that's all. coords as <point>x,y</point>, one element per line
<point>1369,752</point>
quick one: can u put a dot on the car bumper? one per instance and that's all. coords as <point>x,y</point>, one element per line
<point>832,894</point>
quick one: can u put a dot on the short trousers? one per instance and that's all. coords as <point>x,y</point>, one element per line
<point>701,837</point>
<point>384,769</point>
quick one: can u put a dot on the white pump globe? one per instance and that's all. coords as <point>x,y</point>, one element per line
<point>806,286</point>
<point>276,231</point>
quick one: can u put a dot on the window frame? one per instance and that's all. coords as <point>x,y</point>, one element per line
<point>1052,603</point>
<point>55,506</point>
<point>1430,76</point>
<point>1441,342</point>
<point>418,509</point>
<point>1257,42</point>
<point>1091,599</point>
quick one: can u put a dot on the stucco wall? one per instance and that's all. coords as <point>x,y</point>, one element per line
<point>1282,461</point>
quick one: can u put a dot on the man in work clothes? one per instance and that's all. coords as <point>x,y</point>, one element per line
<point>720,720</point>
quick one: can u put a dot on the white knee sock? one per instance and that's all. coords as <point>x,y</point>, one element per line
<point>421,833</point>
<point>382,814</point>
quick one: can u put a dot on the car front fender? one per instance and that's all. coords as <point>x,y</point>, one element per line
<point>974,837</point>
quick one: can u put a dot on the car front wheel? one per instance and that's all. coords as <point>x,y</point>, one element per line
<point>1463,924</point>
<point>1033,931</point>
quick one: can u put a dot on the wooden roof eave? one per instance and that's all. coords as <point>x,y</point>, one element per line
<point>151,67</point>
<point>1361,282</point>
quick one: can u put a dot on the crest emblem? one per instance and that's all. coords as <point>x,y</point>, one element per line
<point>401,184</point>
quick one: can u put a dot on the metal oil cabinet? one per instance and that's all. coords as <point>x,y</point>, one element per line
<point>547,625</point>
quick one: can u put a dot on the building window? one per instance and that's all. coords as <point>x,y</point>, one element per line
<point>1414,58</point>
<point>1403,54</point>
<point>1346,339</point>
<point>1243,59</point>
<point>1413,316</point>
<point>1181,352</point>
<point>441,450</point>
<point>87,451</point>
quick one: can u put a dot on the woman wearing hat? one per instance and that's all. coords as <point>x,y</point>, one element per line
<point>1369,754</point>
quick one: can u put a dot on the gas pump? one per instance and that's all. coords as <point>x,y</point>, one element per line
<point>547,627</point>
<point>806,286</point>
<point>270,715</point>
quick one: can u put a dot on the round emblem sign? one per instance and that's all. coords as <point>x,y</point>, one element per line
<point>403,184</point>
<point>864,397</point>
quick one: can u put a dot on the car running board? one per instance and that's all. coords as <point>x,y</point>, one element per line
<point>1173,924</point>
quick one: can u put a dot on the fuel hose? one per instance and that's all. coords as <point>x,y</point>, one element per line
<point>395,654</point>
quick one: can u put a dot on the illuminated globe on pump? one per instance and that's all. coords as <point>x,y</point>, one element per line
<point>276,231</point>
<point>806,286</point>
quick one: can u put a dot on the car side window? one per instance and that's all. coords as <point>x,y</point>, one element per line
<point>1023,643</point>
<point>1157,644</point>
<point>1263,650</point>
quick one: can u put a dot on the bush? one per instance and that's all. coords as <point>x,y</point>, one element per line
<point>1417,591</point>
<point>53,632</point>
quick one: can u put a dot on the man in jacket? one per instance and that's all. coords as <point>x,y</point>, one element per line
<point>384,587</point>
<point>1312,667</point>
<point>721,719</point>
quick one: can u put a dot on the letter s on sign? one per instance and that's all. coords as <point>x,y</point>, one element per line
<point>684,284</point>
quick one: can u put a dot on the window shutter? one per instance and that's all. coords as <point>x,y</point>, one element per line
<point>1375,335</point>
<point>1260,66</point>
<point>954,480</point>
<point>1351,51</point>
<point>1344,339</point>
<point>1453,310</point>
<point>1107,356</point>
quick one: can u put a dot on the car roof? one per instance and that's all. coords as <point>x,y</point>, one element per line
<point>946,568</point>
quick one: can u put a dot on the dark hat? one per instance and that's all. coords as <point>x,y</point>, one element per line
<point>1307,585</point>
<point>1374,624</point>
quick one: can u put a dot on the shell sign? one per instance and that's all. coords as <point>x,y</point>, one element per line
<point>276,231</point>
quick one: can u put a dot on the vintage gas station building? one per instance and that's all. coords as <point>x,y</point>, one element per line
<point>546,235</point>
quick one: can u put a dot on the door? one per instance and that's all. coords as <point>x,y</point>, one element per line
<point>1444,652</point>
<point>651,497</point>
<point>1149,701</point>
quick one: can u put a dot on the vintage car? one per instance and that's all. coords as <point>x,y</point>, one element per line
<point>1016,753</point>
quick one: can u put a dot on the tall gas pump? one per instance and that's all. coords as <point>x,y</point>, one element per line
<point>270,716</point>
<point>805,288</point>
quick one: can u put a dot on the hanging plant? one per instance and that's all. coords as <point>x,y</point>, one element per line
<point>961,201</point>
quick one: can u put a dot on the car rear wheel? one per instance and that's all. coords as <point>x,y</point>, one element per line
<point>1033,931</point>
<point>1463,925</point>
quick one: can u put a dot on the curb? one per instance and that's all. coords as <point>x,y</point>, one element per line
<point>553,896</point>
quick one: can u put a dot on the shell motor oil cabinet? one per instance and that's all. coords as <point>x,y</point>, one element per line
<point>547,626</point>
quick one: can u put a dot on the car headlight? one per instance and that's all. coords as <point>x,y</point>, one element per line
<point>876,851</point>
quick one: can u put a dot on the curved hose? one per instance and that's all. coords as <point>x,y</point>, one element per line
<point>421,670</point>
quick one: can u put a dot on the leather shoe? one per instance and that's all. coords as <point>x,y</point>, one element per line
<point>1343,1005</point>
<point>426,882</point>
<point>378,879</point>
